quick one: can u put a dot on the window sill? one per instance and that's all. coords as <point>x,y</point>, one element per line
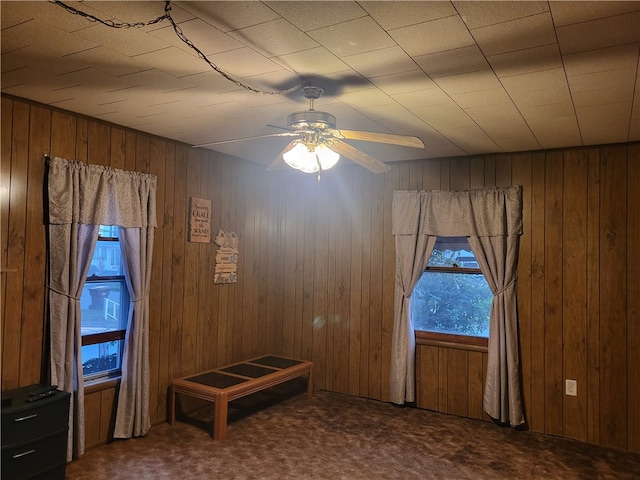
<point>458,342</point>
<point>100,384</point>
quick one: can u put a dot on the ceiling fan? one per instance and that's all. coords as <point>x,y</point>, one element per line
<point>318,144</point>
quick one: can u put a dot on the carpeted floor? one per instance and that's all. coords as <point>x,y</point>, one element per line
<point>334,436</point>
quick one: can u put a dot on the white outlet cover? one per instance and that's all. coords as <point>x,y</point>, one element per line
<point>571,387</point>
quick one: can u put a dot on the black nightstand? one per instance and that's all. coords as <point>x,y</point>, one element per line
<point>34,433</point>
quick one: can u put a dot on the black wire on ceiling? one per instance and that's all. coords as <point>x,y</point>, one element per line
<point>181,35</point>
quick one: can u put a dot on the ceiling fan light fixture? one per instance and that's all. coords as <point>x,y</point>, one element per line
<point>327,157</point>
<point>310,158</point>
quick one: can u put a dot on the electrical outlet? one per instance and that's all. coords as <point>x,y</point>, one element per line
<point>571,387</point>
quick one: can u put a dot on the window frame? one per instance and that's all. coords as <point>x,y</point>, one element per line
<point>112,335</point>
<point>440,339</point>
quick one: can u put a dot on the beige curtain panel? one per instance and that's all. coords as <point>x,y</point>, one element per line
<point>492,221</point>
<point>82,197</point>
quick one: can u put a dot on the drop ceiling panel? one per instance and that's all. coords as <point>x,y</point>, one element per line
<point>566,13</point>
<point>600,33</point>
<point>515,35</point>
<point>546,57</point>
<point>481,14</point>
<point>385,61</point>
<point>453,62</point>
<point>434,36</point>
<point>353,37</point>
<point>274,38</point>
<point>465,77</point>
<point>392,15</point>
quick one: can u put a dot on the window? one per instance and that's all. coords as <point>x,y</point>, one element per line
<point>452,299</point>
<point>104,308</point>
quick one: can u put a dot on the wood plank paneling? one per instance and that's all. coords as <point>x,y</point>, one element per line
<point>574,297</point>
<point>613,287</point>
<point>554,383</point>
<point>633,295</point>
<point>317,269</point>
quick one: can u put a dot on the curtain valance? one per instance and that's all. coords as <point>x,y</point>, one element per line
<point>100,195</point>
<point>481,212</point>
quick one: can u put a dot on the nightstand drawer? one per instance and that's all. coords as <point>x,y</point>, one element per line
<point>47,454</point>
<point>30,420</point>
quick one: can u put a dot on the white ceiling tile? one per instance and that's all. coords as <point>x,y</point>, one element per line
<point>274,38</point>
<point>517,143</point>
<point>404,82</point>
<point>498,119</point>
<point>206,38</point>
<point>451,122</point>
<point>352,37</point>
<point>481,98</point>
<point>602,80</point>
<point>546,57</point>
<point>128,41</point>
<point>173,61</point>
<point>230,15</point>
<point>610,58</point>
<point>470,82</point>
<point>385,111</point>
<point>244,62</point>
<point>601,33</point>
<point>471,139</point>
<point>590,98</point>
<point>556,131</point>
<point>310,15</point>
<point>391,15</point>
<point>542,112</point>
<point>385,61</point>
<point>444,110</point>
<point>433,36</point>
<point>600,124</point>
<point>515,35</point>
<point>542,80</point>
<point>422,98</point>
<point>315,61</point>
<point>109,61</point>
<point>370,97</point>
<point>565,13</point>
<point>452,62</point>
<point>479,14</point>
<point>545,96</point>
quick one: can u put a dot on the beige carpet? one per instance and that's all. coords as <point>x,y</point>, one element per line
<point>279,436</point>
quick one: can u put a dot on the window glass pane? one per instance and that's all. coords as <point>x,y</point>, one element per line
<point>101,358</point>
<point>108,231</point>
<point>452,251</point>
<point>104,306</point>
<point>107,260</point>
<point>456,303</point>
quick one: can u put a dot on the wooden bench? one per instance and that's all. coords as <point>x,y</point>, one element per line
<point>222,385</point>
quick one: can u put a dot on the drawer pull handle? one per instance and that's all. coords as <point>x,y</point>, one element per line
<point>28,417</point>
<point>24,454</point>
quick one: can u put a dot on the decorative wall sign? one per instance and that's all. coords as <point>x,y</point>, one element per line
<point>226,257</point>
<point>199,220</point>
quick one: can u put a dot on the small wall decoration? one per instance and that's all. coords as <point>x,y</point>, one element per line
<point>226,257</point>
<point>199,220</point>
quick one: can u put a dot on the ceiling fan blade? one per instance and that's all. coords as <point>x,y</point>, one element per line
<point>393,139</point>
<point>279,163</point>
<point>220,142</point>
<point>357,156</point>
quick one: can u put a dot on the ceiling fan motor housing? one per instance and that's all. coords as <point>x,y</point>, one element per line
<point>311,119</point>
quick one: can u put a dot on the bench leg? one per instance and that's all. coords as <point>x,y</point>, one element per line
<point>310,384</point>
<point>172,407</point>
<point>220,412</point>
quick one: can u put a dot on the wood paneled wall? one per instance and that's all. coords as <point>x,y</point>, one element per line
<point>316,272</point>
